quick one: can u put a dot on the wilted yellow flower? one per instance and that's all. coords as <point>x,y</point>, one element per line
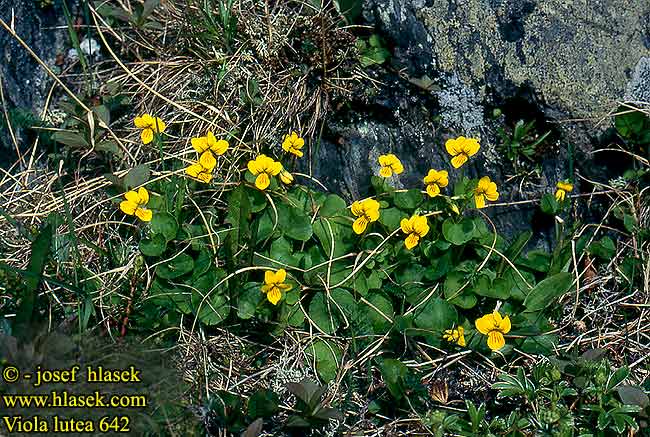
<point>274,285</point>
<point>264,167</point>
<point>461,149</point>
<point>415,228</point>
<point>286,177</point>
<point>455,335</point>
<point>149,126</point>
<point>293,143</point>
<point>494,326</point>
<point>435,180</point>
<point>202,170</point>
<point>390,164</point>
<point>485,190</point>
<point>366,211</point>
<point>135,202</point>
<point>562,189</point>
<point>210,142</point>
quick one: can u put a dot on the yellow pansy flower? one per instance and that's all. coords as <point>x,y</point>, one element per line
<point>149,126</point>
<point>264,167</point>
<point>135,202</point>
<point>435,180</point>
<point>292,143</point>
<point>210,142</point>
<point>562,189</point>
<point>274,285</point>
<point>415,228</point>
<point>366,211</point>
<point>286,177</point>
<point>202,170</point>
<point>461,149</point>
<point>390,164</point>
<point>494,326</point>
<point>455,335</point>
<point>486,189</point>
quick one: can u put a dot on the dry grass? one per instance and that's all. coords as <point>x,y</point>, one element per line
<point>210,88</point>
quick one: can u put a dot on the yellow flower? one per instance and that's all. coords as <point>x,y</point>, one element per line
<point>390,164</point>
<point>264,167</point>
<point>562,189</point>
<point>134,203</point>
<point>436,180</point>
<point>286,177</point>
<point>366,211</point>
<point>455,335</point>
<point>485,190</point>
<point>274,285</point>
<point>149,126</point>
<point>210,142</point>
<point>494,326</point>
<point>415,228</point>
<point>293,143</point>
<point>461,149</point>
<point>202,170</point>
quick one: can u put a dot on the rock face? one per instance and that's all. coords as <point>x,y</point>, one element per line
<point>577,56</point>
<point>553,61</point>
<point>24,82</point>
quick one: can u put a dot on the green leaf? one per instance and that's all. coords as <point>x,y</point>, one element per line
<point>464,298</point>
<point>175,267</point>
<point>372,314</point>
<point>617,377</point>
<point>408,200</point>
<point>249,299</point>
<point>604,248</point>
<point>333,206</point>
<point>549,204</point>
<point>394,373</point>
<point>324,314</point>
<point>70,139</point>
<point>109,146</point>
<point>513,251</point>
<point>40,249</point>
<point>458,233</point>
<point>547,291</point>
<point>350,9</point>
<point>295,224</point>
<point>436,315</point>
<point>154,246</point>
<point>328,357</point>
<point>137,176</point>
<point>391,217</point>
<point>239,216</point>
<point>538,260</point>
<point>497,289</point>
<point>633,395</point>
<point>164,223</point>
<point>215,308</point>
<point>631,125</point>
<point>263,403</point>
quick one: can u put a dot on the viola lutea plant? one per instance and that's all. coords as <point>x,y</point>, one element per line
<point>421,263</point>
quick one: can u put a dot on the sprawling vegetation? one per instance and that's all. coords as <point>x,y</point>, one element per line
<point>166,208</point>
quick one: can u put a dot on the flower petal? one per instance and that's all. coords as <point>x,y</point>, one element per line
<point>144,214</point>
<point>484,324</point>
<point>262,181</point>
<point>194,170</point>
<point>452,146</point>
<point>220,147</point>
<point>254,167</point>
<point>143,195</point>
<point>132,196</point>
<point>157,125</point>
<point>505,325</point>
<point>405,224</point>
<point>280,275</point>
<point>360,225</point>
<point>480,200</point>
<point>411,241</point>
<point>146,136</point>
<point>560,195</point>
<point>433,190</point>
<point>471,146</point>
<point>461,339</point>
<point>128,207</point>
<point>496,340</point>
<point>199,144</point>
<point>274,295</point>
<point>420,226</point>
<point>207,160</point>
<point>459,160</point>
